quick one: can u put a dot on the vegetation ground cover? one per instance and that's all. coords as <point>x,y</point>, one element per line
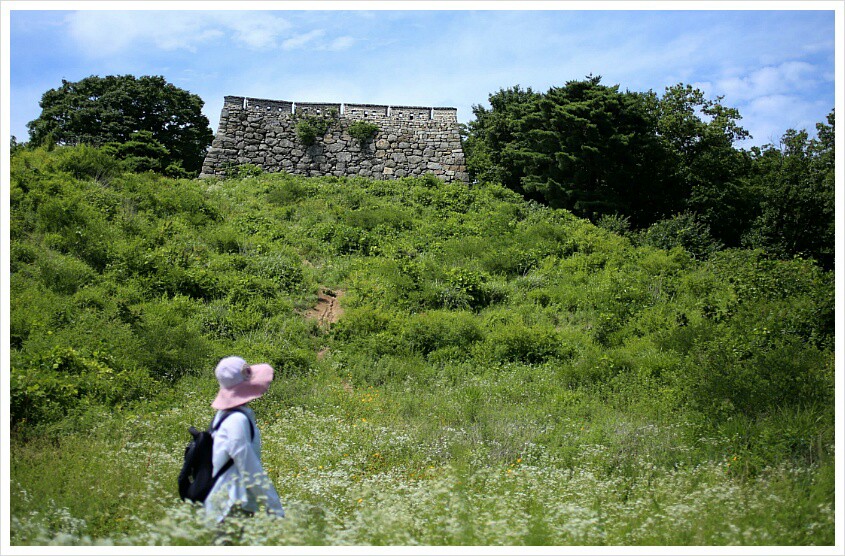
<point>502,373</point>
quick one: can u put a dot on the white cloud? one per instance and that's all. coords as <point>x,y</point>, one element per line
<point>767,117</point>
<point>254,30</point>
<point>106,33</point>
<point>300,41</point>
<point>102,34</point>
<point>787,77</point>
<point>341,43</point>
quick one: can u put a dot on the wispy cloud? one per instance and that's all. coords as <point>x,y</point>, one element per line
<point>101,34</point>
<point>769,116</point>
<point>302,40</point>
<point>341,43</point>
<point>776,67</point>
<point>258,31</point>
<point>105,34</point>
<point>770,80</point>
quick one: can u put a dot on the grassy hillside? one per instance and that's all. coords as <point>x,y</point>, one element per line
<point>501,373</point>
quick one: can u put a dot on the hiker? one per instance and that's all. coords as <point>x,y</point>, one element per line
<point>238,490</point>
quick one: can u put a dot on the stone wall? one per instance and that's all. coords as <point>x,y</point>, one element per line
<point>411,141</point>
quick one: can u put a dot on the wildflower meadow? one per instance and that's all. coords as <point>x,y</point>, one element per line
<point>486,372</point>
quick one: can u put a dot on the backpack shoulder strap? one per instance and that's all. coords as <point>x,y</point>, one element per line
<point>231,412</point>
<point>213,428</point>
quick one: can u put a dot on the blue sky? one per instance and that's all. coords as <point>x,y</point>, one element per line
<point>776,67</point>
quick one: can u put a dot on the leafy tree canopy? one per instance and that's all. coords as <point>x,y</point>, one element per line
<point>796,181</point>
<point>586,147</point>
<point>639,159</point>
<point>99,110</point>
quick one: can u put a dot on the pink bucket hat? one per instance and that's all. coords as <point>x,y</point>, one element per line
<point>240,382</point>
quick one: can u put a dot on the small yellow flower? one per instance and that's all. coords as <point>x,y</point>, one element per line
<point>519,460</point>
<point>363,419</point>
<point>360,500</point>
<point>321,467</point>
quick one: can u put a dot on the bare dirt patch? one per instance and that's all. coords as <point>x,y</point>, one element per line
<point>327,311</point>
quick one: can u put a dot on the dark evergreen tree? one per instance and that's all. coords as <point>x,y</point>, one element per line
<point>586,147</point>
<point>487,147</point>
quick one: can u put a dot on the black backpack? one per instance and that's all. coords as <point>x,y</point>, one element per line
<point>196,477</point>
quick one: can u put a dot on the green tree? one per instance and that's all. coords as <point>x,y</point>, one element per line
<point>15,146</point>
<point>488,136</point>
<point>707,169</point>
<point>99,110</point>
<point>586,147</point>
<point>796,180</point>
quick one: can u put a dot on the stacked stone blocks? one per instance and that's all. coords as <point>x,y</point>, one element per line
<point>411,141</point>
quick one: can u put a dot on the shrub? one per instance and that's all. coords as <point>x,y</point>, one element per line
<point>84,162</point>
<point>141,153</point>
<point>434,330</point>
<point>284,269</point>
<point>371,330</point>
<point>464,288</point>
<point>64,274</point>
<point>523,343</point>
<point>363,132</point>
<point>172,338</point>
<point>240,171</point>
<point>380,217</point>
<point>755,374</point>
<point>615,223</point>
<point>516,260</point>
<point>682,230</point>
<point>45,389</point>
<point>286,192</point>
<point>309,128</point>
<point>227,239</point>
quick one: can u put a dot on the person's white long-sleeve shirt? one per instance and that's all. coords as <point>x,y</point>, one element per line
<point>245,482</point>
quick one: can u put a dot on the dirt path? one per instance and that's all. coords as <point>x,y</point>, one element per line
<point>328,309</point>
<point>326,312</point>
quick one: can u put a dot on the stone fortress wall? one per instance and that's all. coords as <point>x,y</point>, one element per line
<point>411,140</point>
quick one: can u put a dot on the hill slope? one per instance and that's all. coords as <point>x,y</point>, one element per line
<point>502,373</point>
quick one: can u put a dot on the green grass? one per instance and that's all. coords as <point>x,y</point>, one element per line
<point>359,468</point>
<point>503,374</point>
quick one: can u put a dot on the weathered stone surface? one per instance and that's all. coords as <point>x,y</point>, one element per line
<point>410,141</point>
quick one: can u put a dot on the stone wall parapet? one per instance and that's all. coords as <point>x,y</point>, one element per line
<point>411,140</point>
<point>357,110</point>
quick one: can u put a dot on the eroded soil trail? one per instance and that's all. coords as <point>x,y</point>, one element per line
<point>326,312</point>
<point>328,309</point>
